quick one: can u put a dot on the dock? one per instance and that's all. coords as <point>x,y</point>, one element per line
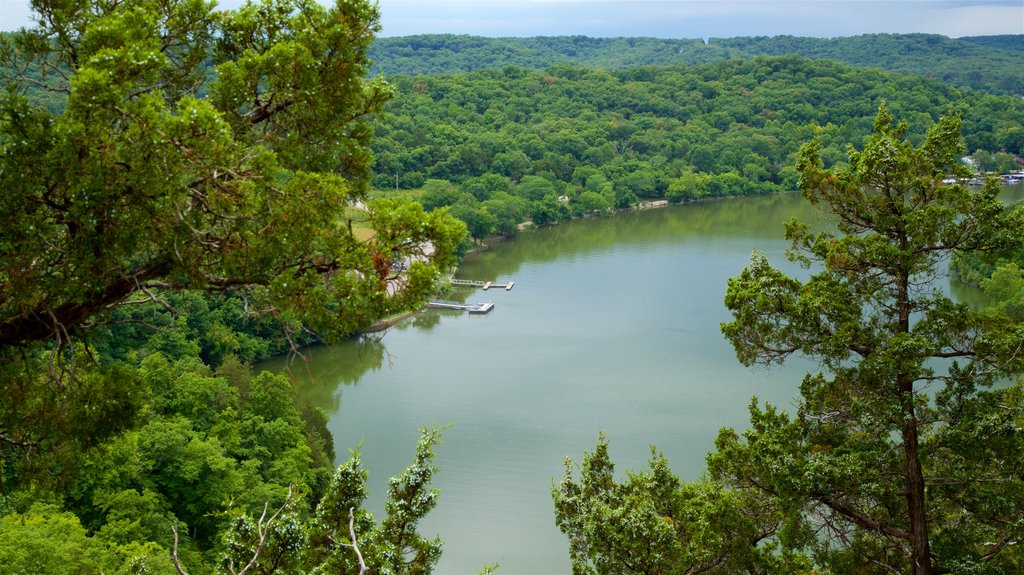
<point>482,285</point>
<point>478,308</point>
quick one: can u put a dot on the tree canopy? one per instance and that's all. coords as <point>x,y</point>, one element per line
<point>184,191</point>
<point>985,63</point>
<point>672,132</point>
<point>193,148</point>
<point>902,453</point>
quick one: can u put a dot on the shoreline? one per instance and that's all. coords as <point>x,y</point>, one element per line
<point>485,244</point>
<point>383,324</point>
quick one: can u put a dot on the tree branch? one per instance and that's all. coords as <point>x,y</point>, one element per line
<point>48,320</point>
<point>263,529</point>
<point>861,519</point>
<point>174,550</point>
<point>997,547</point>
<point>354,546</point>
<point>26,445</point>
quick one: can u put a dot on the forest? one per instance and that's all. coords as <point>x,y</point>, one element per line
<point>500,146</point>
<point>985,63</point>
<point>186,191</point>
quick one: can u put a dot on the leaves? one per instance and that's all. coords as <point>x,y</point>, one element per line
<point>391,546</point>
<point>153,175</point>
<point>903,367</point>
<point>653,523</point>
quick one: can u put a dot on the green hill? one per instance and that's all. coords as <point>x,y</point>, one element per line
<point>672,132</point>
<point>990,64</point>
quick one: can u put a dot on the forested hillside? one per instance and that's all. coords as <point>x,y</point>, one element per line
<point>184,191</point>
<point>1012,42</point>
<point>178,190</point>
<point>501,145</point>
<point>975,63</point>
<point>987,63</point>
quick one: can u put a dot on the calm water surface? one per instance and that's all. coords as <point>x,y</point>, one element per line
<point>613,326</point>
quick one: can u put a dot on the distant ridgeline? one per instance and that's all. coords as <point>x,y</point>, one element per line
<point>504,130</point>
<point>986,63</point>
<point>504,142</point>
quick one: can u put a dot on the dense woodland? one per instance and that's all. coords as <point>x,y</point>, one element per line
<point>186,191</point>
<point>987,63</point>
<point>500,146</point>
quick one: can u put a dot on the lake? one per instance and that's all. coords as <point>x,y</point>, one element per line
<point>613,326</point>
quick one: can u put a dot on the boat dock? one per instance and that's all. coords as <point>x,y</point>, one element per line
<point>480,308</point>
<point>482,285</point>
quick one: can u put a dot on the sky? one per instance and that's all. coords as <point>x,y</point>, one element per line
<point>674,18</point>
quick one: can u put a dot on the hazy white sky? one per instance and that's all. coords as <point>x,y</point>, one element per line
<point>674,18</point>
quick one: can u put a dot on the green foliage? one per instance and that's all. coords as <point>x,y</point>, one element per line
<point>136,486</point>
<point>208,457</point>
<point>340,536</point>
<point>1006,288</point>
<point>882,455</point>
<point>50,416</point>
<point>653,523</point>
<point>47,541</point>
<point>989,63</point>
<point>999,162</point>
<point>182,207</point>
<point>680,133</point>
<point>195,149</point>
<point>977,63</point>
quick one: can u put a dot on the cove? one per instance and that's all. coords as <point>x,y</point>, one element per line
<point>613,326</point>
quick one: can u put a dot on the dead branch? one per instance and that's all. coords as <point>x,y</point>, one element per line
<point>352,534</point>
<point>262,529</point>
<point>174,550</point>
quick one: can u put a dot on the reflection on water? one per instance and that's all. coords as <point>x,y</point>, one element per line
<point>613,325</point>
<point>319,371</point>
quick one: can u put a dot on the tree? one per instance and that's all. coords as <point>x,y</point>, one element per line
<point>46,541</point>
<point>1006,288</point>
<point>592,203</point>
<point>689,185</point>
<point>438,194</point>
<point>340,536</point>
<point>159,171</point>
<point>508,211</point>
<point>899,454</point>
<point>188,151</point>
<point>653,523</point>
<point>479,222</point>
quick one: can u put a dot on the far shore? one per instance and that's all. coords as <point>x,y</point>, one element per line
<point>383,324</point>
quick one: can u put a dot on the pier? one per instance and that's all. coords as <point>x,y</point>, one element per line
<point>482,285</point>
<point>480,308</point>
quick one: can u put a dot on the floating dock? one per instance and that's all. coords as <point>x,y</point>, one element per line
<point>480,308</point>
<point>482,285</point>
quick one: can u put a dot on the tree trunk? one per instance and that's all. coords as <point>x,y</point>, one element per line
<point>920,550</point>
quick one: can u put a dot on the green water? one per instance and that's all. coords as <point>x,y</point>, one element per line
<point>613,325</point>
